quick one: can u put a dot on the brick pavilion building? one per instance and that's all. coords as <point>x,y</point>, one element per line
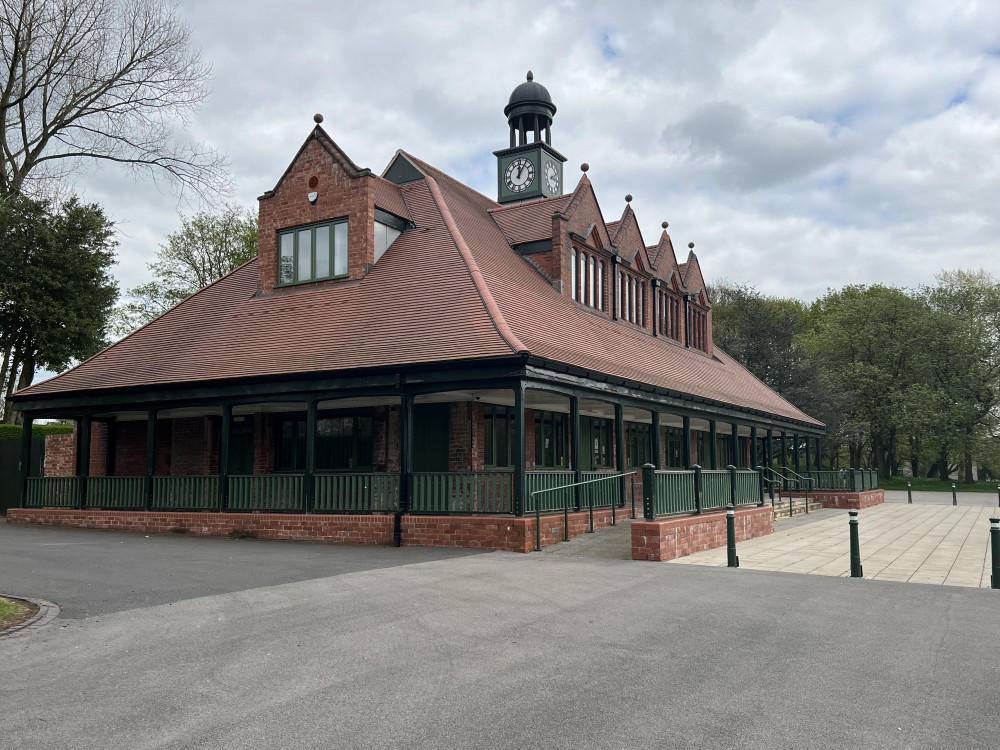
<point>409,360</point>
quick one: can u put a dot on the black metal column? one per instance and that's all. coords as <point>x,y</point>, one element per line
<point>713,446</point>
<point>405,464</point>
<point>808,454</point>
<point>620,449</point>
<point>769,450</point>
<point>151,453</point>
<point>519,432</point>
<point>795,452</point>
<point>686,446</point>
<point>754,448</point>
<point>26,457</point>
<point>83,459</point>
<point>309,478</point>
<point>227,424</point>
<point>574,447</point>
<point>784,450</point>
<point>737,459</point>
<point>657,447</point>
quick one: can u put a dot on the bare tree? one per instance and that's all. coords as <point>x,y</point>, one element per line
<point>106,80</point>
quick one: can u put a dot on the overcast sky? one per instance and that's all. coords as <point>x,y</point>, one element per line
<point>801,145</point>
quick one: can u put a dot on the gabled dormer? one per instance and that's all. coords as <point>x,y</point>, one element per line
<point>320,223</point>
<point>699,306</point>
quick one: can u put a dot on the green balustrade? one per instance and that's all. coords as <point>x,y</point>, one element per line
<point>673,492</point>
<point>265,492</point>
<point>462,492</point>
<point>194,492</point>
<point>601,494</point>
<point>356,492</point>
<point>714,489</point>
<point>62,492</point>
<point>747,487</point>
<point>116,492</point>
<point>549,480</point>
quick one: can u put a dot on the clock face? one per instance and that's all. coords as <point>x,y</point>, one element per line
<point>552,177</point>
<point>519,174</point>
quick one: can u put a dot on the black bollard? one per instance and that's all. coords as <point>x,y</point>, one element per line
<point>855,546</point>
<point>909,493</point>
<point>954,497</point>
<point>995,544</point>
<point>734,561</point>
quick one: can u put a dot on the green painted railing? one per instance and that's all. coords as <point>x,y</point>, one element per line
<point>549,480</point>
<point>714,489</point>
<point>356,492</point>
<point>829,480</point>
<point>116,492</point>
<point>195,492</point>
<point>462,492</point>
<point>747,487</point>
<point>602,494</point>
<point>60,492</point>
<point>673,492</point>
<point>265,492</point>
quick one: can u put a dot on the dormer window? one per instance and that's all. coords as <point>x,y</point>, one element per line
<point>312,253</point>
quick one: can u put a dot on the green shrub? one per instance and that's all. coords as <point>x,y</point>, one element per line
<point>15,431</point>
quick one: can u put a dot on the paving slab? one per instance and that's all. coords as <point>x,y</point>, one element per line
<point>926,542</point>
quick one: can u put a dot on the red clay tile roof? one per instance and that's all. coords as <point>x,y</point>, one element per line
<point>451,289</point>
<point>529,222</point>
<point>389,198</point>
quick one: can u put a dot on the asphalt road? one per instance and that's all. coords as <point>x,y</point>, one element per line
<point>492,650</point>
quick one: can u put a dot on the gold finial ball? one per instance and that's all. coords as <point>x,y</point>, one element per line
<point>584,167</point>
<point>665,224</point>
<point>317,118</point>
<point>628,197</point>
<point>691,245</point>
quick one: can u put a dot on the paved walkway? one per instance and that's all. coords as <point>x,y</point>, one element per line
<point>919,543</point>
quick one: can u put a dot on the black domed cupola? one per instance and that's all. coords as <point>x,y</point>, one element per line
<point>530,110</point>
<point>530,167</point>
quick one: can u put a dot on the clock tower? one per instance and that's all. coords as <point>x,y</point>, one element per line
<point>529,170</point>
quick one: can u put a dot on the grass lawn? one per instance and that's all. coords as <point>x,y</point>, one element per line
<point>14,612</point>
<point>935,485</point>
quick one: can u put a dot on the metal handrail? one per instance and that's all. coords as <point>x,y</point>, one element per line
<point>538,512</point>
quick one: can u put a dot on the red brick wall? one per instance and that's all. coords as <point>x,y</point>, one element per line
<point>483,532</point>
<point>130,449</point>
<point>851,500</point>
<point>60,455</point>
<point>339,195</point>
<point>192,449</point>
<point>98,449</point>
<point>359,529</point>
<point>669,538</point>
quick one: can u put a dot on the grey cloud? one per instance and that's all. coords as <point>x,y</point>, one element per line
<point>748,153</point>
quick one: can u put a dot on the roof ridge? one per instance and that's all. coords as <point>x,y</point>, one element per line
<point>533,202</point>
<point>477,276</point>
<point>427,168</point>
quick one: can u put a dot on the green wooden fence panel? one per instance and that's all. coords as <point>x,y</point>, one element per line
<point>265,492</point>
<point>462,492</point>
<point>194,492</point>
<point>116,492</point>
<point>548,480</point>
<point>673,492</point>
<point>602,494</point>
<point>714,489</point>
<point>747,488</point>
<point>59,492</point>
<point>377,492</point>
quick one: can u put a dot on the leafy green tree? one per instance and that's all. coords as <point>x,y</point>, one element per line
<point>762,333</point>
<point>878,344</point>
<point>56,291</point>
<point>972,300</point>
<point>207,247</point>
